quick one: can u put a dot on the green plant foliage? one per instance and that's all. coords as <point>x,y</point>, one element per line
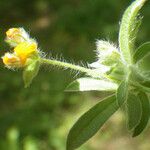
<point>145,105</point>
<point>144,66</point>
<point>90,122</point>
<point>90,84</point>
<point>122,93</point>
<point>128,29</point>
<point>141,52</point>
<point>134,111</point>
<point>123,70</point>
<point>126,75</point>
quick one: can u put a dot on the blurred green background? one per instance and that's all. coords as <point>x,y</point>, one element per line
<point>39,117</point>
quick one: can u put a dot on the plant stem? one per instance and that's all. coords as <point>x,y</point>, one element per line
<point>69,66</point>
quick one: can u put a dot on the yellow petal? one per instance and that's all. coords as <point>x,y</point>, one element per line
<point>11,33</point>
<point>10,60</point>
<point>14,36</point>
<point>25,50</point>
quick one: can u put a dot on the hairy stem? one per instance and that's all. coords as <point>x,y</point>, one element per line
<point>66,65</point>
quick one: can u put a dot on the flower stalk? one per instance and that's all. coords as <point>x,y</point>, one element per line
<point>66,65</point>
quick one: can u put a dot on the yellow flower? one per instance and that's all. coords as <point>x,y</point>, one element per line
<point>13,32</point>
<point>25,54</point>
<point>25,50</point>
<point>14,36</point>
<point>11,61</point>
<point>21,53</point>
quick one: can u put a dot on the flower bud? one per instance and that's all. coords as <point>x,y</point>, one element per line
<point>108,54</point>
<point>109,61</point>
<point>14,36</point>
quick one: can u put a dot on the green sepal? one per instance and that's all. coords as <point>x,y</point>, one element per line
<point>145,114</point>
<point>134,111</point>
<point>30,71</point>
<point>11,43</point>
<point>117,72</point>
<point>90,122</point>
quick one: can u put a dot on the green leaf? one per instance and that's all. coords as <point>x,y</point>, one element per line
<point>90,84</point>
<point>122,93</point>
<point>145,114</point>
<point>135,74</point>
<point>129,28</point>
<point>144,66</point>
<point>134,111</point>
<point>146,84</point>
<point>142,86</point>
<point>141,52</point>
<point>138,79</point>
<point>90,122</point>
<point>30,71</point>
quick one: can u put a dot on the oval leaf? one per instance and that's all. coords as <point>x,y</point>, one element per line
<point>90,122</point>
<point>122,93</point>
<point>144,66</point>
<point>129,28</point>
<point>90,84</point>
<point>141,52</point>
<point>145,114</point>
<point>134,111</point>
